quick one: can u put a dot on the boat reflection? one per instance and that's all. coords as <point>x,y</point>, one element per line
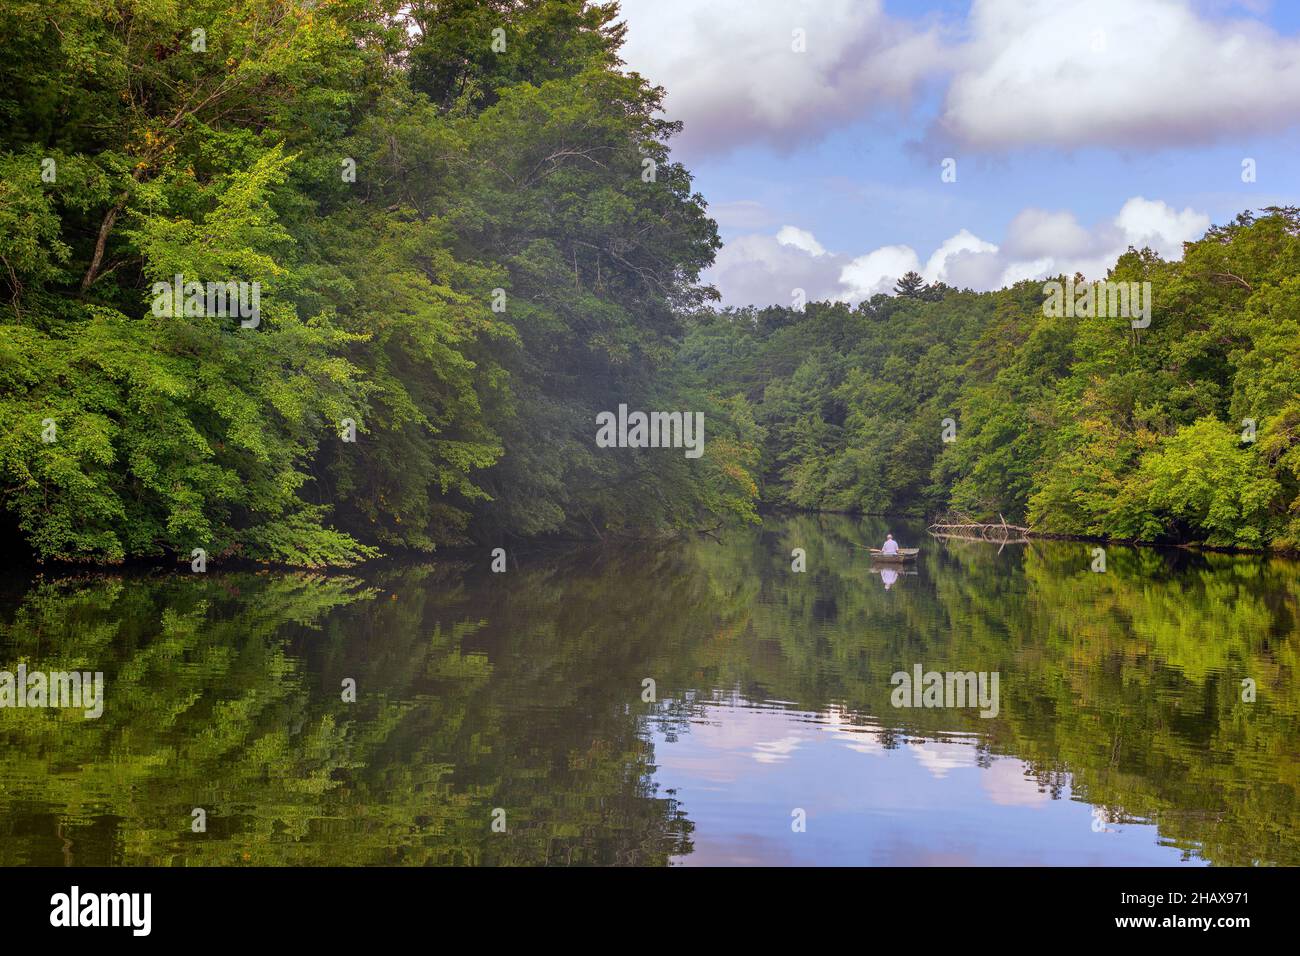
<point>889,576</point>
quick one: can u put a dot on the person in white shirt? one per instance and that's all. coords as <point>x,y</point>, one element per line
<point>890,546</point>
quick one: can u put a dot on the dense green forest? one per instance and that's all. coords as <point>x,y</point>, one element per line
<point>470,238</point>
<point>1187,430</point>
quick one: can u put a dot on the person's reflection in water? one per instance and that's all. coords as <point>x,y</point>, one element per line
<point>889,576</point>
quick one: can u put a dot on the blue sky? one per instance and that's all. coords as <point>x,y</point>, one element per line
<point>1057,114</point>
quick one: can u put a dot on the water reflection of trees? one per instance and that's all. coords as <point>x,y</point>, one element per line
<point>224,692</point>
<point>523,691</point>
<point>1126,682</point>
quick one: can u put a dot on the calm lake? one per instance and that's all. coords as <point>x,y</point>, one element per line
<point>520,699</point>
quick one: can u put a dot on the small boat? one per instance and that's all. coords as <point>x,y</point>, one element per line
<point>903,554</point>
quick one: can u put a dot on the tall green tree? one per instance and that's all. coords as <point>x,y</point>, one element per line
<point>468,236</point>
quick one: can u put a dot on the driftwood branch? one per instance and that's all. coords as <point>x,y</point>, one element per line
<point>998,531</point>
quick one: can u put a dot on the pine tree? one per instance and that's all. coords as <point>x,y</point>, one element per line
<point>911,285</point>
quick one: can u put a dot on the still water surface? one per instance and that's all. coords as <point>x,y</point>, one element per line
<point>1121,735</point>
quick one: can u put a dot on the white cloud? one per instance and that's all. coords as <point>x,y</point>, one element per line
<point>1035,232</point>
<point>763,270</point>
<point>1032,269</point>
<point>800,239</point>
<point>1041,243</point>
<point>951,252</point>
<point>1155,224</point>
<point>1121,73</point>
<point>877,271</point>
<point>732,76</point>
<point>757,269</point>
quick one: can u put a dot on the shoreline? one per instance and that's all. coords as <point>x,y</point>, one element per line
<point>31,568</point>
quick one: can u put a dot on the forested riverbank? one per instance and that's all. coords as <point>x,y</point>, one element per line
<point>934,399</point>
<point>470,240</point>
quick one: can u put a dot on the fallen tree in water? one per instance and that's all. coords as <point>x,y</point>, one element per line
<point>965,528</point>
